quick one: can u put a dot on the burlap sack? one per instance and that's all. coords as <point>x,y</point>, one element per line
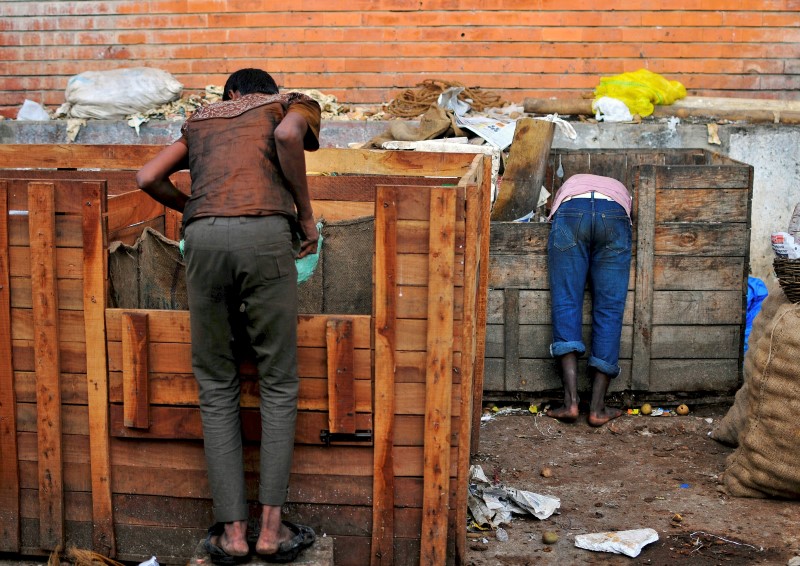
<point>767,461</point>
<point>148,275</point>
<point>727,431</point>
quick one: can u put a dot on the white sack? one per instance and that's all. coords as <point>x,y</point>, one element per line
<point>112,95</point>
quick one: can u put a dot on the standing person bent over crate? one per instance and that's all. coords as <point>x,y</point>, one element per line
<point>590,240</point>
<point>245,156</point>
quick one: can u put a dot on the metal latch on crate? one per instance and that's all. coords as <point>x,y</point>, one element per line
<point>327,437</point>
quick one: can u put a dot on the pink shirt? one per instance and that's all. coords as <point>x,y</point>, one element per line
<point>584,183</point>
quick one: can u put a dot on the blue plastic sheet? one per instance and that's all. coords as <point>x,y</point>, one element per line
<point>756,293</point>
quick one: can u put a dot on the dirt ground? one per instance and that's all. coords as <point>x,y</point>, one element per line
<point>636,472</point>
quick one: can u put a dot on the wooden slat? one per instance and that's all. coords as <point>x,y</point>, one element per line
<point>385,301</point>
<point>9,474</point>
<point>696,239</point>
<point>643,306</point>
<point>482,302</point>
<point>41,207</point>
<point>703,177</point>
<point>701,205</point>
<point>67,262</point>
<point>341,394</point>
<point>369,162</point>
<point>70,293</point>
<point>511,337</point>
<point>70,324</point>
<point>439,365</point>
<point>132,208</point>
<point>135,390</point>
<point>469,342</point>
<point>94,280</point>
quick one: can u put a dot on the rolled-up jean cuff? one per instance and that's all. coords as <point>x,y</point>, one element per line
<point>605,367</point>
<point>561,348</point>
<point>231,513</point>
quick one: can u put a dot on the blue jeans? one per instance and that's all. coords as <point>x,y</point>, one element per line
<point>590,240</point>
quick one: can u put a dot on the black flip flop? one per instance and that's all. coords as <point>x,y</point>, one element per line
<point>217,555</point>
<point>289,550</point>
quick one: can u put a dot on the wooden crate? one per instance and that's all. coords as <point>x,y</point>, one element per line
<point>685,313</point>
<point>100,444</point>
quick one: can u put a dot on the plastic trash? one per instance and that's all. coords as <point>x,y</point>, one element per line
<point>308,264</point>
<point>756,293</point>
<point>629,543</point>
<point>607,109</point>
<point>640,90</point>
<point>501,534</point>
<point>32,111</point>
<point>152,561</point>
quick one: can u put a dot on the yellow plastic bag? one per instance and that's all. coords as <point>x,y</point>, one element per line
<point>640,90</point>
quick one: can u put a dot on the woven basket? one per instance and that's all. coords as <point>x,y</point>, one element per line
<point>788,272</point>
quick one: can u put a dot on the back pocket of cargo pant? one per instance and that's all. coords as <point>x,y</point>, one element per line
<point>275,266</point>
<point>564,233</point>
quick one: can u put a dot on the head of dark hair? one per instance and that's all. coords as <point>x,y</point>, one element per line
<point>248,81</point>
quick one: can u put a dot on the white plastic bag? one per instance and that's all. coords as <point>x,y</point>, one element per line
<point>32,111</point>
<point>611,110</point>
<point>112,95</point>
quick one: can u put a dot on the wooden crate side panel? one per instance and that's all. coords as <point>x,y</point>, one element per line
<point>9,473</point>
<point>116,157</point>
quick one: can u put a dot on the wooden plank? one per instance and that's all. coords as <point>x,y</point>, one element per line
<point>645,199</point>
<point>94,277</point>
<point>68,231</point>
<point>335,211</point>
<point>481,304</point>
<point>41,209</point>
<point>385,306</point>
<point>173,326</point>
<point>361,187</point>
<point>698,307</point>
<point>696,375</point>
<point>535,340</point>
<point>378,162</point>
<point>136,399</point>
<point>701,205</point>
<point>542,376</point>
<point>470,294</point>
<point>132,208</point>
<point>72,356</point>
<point>522,181</point>
<point>70,293</point>
<point>74,419</point>
<point>704,177</point>
<point>183,423</point>
<point>172,224</point>
<point>534,307</point>
<point>525,271</point>
<point>707,342</point>
<point>519,238</point>
<point>341,394</point>
<point>9,474</point>
<point>511,338</point>
<point>683,273</point>
<point>412,236</point>
<point>73,387</point>
<point>694,239</point>
<point>131,234</point>
<point>70,325</point>
<point>438,391</point>
<point>68,262</point>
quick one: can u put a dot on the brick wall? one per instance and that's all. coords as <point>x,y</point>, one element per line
<point>367,50</point>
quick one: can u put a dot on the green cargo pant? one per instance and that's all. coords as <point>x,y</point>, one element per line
<point>242,281</point>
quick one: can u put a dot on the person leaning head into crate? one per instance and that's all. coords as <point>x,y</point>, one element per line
<point>248,198</point>
<point>590,241</point>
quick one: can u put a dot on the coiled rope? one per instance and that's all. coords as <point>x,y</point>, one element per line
<point>415,101</point>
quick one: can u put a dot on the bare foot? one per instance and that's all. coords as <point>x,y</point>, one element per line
<point>269,542</point>
<point>601,417</point>
<point>564,413</point>
<point>234,540</point>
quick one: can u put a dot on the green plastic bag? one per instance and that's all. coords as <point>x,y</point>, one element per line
<point>308,264</point>
<point>640,90</point>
